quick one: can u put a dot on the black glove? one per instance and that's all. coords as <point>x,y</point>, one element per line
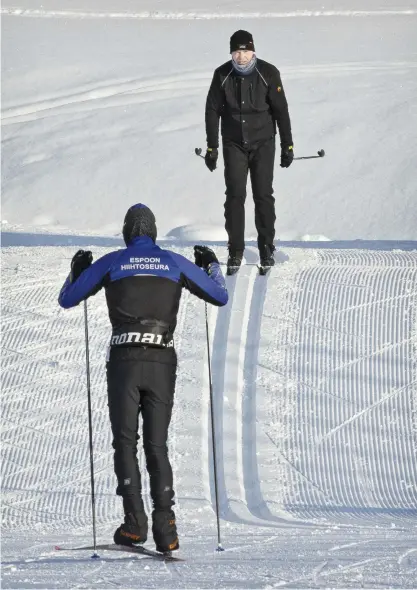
<point>80,261</point>
<point>211,158</point>
<point>287,156</point>
<point>204,256</point>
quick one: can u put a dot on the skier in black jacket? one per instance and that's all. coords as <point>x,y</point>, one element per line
<point>246,93</point>
<point>143,285</point>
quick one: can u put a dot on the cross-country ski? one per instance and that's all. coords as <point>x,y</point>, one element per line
<point>136,550</point>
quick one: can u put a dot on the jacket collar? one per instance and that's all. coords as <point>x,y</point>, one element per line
<point>142,241</point>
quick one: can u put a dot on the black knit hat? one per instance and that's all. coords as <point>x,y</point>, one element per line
<point>241,40</point>
<point>139,221</point>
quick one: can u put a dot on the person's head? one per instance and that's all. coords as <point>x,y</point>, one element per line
<point>139,221</point>
<point>242,47</point>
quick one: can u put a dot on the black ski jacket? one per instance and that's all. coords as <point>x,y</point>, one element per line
<point>250,107</point>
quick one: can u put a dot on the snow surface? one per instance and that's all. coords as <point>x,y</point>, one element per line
<point>314,367</point>
<point>103,112</point>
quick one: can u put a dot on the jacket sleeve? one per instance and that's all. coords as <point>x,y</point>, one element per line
<point>214,105</point>
<point>208,287</point>
<point>279,106</point>
<point>88,283</point>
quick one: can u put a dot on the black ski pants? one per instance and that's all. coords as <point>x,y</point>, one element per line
<point>259,161</point>
<point>142,381</point>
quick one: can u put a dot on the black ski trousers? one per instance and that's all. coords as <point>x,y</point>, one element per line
<point>259,161</point>
<point>142,381</point>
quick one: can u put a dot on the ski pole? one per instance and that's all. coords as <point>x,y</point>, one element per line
<point>90,430</point>
<point>321,154</point>
<point>213,436</point>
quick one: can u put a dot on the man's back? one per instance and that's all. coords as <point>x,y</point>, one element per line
<point>143,285</point>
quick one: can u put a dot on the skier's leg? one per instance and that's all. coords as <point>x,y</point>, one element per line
<point>261,164</point>
<point>157,398</point>
<point>235,175</point>
<point>124,407</point>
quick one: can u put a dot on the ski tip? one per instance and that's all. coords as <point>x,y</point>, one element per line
<point>264,270</point>
<point>58,548</point>
<point>232,271</point>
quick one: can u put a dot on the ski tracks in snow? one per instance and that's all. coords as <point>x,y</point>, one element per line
<point>313,379</point>
<point>228,362</point>
<point>324,394</point>
<point>314,382</point>
<point>117,93</point>
<point>236,340</point>
<point>199,14</point>
<point>125,92</point>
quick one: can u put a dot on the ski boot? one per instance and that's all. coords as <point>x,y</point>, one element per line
<point>266,254</point>
<point>233,262</point>
<point>134,530</point>
<point>165,531</point>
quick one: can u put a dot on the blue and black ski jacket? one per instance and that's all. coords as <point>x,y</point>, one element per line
<point>143,285</point>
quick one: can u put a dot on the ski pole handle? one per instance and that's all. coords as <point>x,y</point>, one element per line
<point>198,151</point>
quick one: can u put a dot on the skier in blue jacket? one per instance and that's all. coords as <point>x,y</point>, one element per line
<point>143,285</point>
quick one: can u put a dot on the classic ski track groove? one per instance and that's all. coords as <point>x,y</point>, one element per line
<point>218,378</point>
<point>252,486</point>
<point>233,390</point>
<point>231,336</point>
<point>239,434</point>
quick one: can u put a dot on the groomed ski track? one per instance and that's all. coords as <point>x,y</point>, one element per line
<point>315,394</point>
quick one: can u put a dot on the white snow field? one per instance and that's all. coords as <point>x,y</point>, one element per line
<point>314,367</point>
